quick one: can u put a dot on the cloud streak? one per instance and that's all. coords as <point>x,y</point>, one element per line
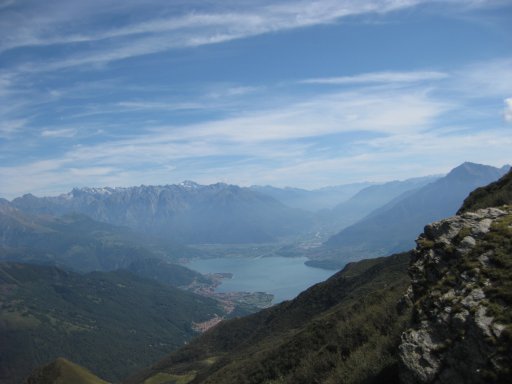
<point>310,137</point>
<point>379,78</point>
<point>507,113</point>
<point>52,25</point>
<point>66,23</point>
<point>80,106</point>
<point>59,133</point>
<point>247,142</point>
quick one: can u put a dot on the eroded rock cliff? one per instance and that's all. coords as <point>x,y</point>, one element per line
<point>461,292</point>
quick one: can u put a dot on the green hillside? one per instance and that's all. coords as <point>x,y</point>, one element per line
<point>113,323</point>
<point>343,330</point>
<point>493,195</point>
<point>62,371</point>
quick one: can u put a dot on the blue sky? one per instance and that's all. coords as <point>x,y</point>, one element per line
<point>287,93</point>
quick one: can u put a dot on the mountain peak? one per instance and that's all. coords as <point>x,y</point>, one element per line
<point>471,170</point>
<point>91,190</point>
<point>189,184</point>
<point>467,166</point>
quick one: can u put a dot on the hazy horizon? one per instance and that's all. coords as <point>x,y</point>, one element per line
<point>341,184</point>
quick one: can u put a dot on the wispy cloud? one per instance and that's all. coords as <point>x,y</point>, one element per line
<point>492,78</point>
<point>92,44</point>
<point>283,135</point>
<point>69,23</point>
<point>59,133</point>
<point>154,105</point>
<point>51,25</point>
<point>380,77</point>
<point>507,113</point>
<point>370,110</point>
<point>232,91</point>
<point>10,127</point>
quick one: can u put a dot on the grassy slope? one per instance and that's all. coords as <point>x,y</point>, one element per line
<point>336,331</point>
<point>493,195</point>
<point>62,371</point>
<point>113,323</point>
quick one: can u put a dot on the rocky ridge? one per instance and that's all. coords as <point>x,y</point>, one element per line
<point>460,292</point>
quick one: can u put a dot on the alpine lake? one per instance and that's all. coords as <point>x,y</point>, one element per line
<point>283,277</point>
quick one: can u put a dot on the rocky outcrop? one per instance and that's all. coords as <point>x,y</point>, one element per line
<point>461,325</point>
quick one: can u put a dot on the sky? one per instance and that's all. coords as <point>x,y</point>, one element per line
<point>286,93</point>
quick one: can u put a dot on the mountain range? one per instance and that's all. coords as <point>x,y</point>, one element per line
<point>394,226</point>
<point>312,200</point>
<point>383,218</point>
<point>185,213</point>
<point>367,200</point>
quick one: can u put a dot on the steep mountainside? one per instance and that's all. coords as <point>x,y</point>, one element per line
<point>342,330</point>
<point>113,323</point>
<point>366,200</point>
<point>394,228</point>
<point>493,195</point>
<point>188,212</point>
<point>166,273</point>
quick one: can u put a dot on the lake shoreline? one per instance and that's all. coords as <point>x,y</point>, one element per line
<point>282,277</point>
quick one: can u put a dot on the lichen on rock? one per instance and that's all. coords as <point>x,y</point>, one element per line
<point>461,317</point>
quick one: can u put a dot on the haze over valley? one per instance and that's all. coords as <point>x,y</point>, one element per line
<point>248,235</point>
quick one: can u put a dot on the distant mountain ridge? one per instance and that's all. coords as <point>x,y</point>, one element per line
<point>394,227</point>
<point>186,212</point>
<point>366,200</point>
<point>77,242</point>
<point>312,200</point>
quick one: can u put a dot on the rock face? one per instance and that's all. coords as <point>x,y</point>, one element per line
<point>460,292</point>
